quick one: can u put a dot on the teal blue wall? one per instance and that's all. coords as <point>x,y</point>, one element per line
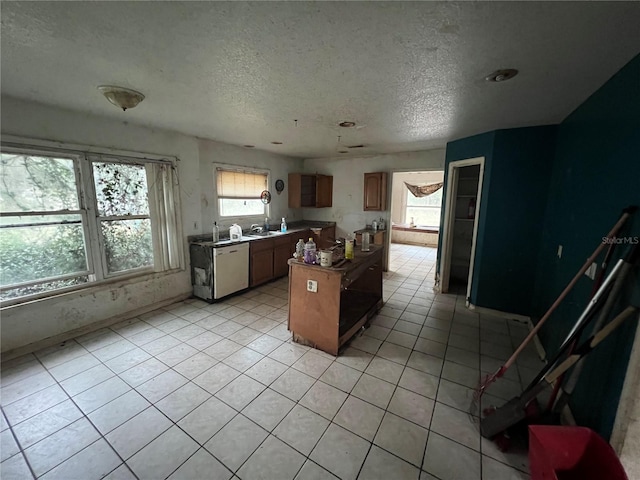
<point>471,147</point>
<point>596,174</point>
<point>564,185</point>
<point>514,191</point>
<point>521,168</point>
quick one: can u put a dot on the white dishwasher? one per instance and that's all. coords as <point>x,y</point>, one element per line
<point>230,269</point>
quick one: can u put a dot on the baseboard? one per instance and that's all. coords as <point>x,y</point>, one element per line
<point>499,313</point>
<point>49,342</point>
<point>513,316</point>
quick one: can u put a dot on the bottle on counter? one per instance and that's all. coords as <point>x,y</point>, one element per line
<point>266,224</point>
<point>216,232</point>
<point>283,225</point>
<point>300,250</point>
<point>348,247</point>
<point>365,242</point>
<point>310,252</point>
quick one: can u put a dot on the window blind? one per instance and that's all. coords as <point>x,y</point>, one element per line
<point>240,184</point>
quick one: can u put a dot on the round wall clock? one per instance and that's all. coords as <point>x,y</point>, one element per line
<point>265,196</point>
<point>279,186</point>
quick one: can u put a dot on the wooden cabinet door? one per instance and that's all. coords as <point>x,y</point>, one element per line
<point>327,237</point>
<point>324,191</point>
<point>294,189</point>
<point>260,261</point>
<point>375,191</point>
<point>261,267</point>
<point>281,255</point>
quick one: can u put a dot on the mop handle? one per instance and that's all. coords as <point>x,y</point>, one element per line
<point>590,344</point>
<point>627,213</point>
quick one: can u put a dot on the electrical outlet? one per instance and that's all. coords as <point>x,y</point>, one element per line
<point>312,286</point>
<point>559,251</point>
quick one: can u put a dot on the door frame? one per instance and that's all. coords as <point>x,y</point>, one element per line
<point>391,204</point>
<point>448,224</point>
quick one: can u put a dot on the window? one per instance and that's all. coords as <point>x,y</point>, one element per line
<point>424,210</point>
<point>239,192</point>
<point>69,218</point>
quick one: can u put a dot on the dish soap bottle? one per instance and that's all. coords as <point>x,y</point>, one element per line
<point>216,232</point>
<point>266,224</point>
<point>310,252</point>
<point>300,250</point>
<point>283,226</point>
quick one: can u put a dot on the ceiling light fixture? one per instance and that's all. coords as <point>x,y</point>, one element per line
<point>343,151</point>
<point>121,97</point>
<point>276,143</point>
<point>347,124</point>
<point>249,146</point>
<point>502,75</point>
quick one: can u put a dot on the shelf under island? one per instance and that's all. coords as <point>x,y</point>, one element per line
<point>347,297</point>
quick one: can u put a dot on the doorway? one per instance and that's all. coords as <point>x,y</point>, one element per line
<point>414,223</point>
<point>460,226</point>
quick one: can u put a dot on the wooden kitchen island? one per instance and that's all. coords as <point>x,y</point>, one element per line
<point>347,297</point>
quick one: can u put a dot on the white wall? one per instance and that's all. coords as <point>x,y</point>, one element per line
<point>279,168</point>
<point>39,320</point>
<point>348,184</point>
<point>399,190</point>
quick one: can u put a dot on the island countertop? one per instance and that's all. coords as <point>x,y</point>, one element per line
<point>345,265</point>
<point>328,305</point>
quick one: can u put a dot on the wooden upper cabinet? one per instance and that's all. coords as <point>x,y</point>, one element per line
<point>310,190</point>
<point>375,191</point>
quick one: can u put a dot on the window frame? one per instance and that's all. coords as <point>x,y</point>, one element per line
<point>102,251</point>
<point>240,218</point>
<point>95,252</point>
<point>407,206</point>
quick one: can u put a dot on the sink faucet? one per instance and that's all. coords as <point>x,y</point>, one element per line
<point>256,228</point>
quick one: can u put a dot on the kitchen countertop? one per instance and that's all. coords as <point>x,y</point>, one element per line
<point>370,230</point>
<point>342,265</point>
<point>294,227</point>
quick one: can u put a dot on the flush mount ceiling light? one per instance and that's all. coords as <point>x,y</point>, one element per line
<point>502,75</point>
<point>347,124</point>
<point>121,97</point>
<point>276,143</point>
<point>249,146</point>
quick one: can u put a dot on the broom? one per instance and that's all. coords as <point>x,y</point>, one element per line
<point>489,379</point>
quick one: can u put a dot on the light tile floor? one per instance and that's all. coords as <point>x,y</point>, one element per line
<point>199,391</point>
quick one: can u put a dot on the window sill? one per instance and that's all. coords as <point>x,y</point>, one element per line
<point>422,229</point>
<point>87,289</point>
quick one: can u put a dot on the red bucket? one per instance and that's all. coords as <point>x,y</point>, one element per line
<point>571,453</point>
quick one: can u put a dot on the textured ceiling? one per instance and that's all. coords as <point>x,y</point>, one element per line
<point>410,74</point>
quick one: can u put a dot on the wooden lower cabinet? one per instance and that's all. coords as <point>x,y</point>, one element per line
<point>268,258</point>
<point>260,261</point>
<point>326,238</point>
<point>281,254</point>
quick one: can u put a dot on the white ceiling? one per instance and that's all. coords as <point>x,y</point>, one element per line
<point>410,74</point>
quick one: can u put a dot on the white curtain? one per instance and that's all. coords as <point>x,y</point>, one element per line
<point>424,190</point>
<point>163,201</point>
